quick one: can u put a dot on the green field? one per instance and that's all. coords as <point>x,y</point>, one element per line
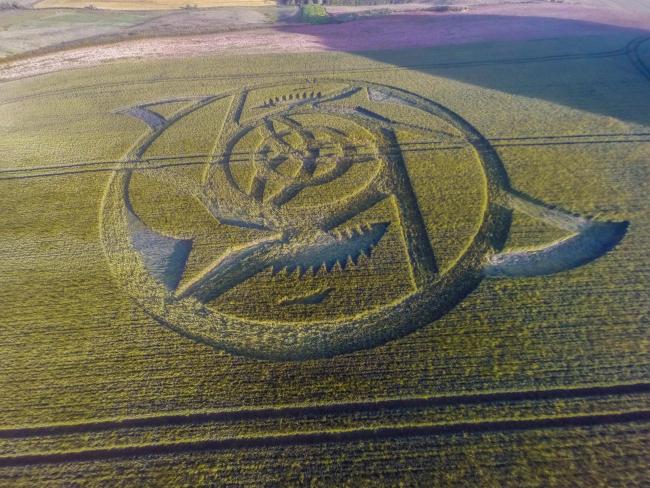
<point>124,365</point>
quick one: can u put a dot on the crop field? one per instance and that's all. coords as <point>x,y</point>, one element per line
<point>416,267</point>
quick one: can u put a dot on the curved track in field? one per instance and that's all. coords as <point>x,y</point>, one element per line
<point>632,51</point>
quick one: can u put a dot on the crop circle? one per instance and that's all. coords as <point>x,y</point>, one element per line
<point>268,160</point>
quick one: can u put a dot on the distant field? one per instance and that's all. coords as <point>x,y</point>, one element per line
<point>151,4</point>
<point>27,30</point>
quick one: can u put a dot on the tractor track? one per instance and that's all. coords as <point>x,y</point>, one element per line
<point>182,160</point>
<point>265,412</point>
<point>632,52</point>
<point>329,436</point>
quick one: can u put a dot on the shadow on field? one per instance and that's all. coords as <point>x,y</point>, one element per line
<point>589,66</point>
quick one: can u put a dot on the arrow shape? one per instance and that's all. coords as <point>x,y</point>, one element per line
<point>278,252</point>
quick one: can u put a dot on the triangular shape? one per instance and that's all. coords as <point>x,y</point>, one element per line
<point>529,232</point>
<point>169,108</point>
<point>163,256</point>
<point>587,240</point>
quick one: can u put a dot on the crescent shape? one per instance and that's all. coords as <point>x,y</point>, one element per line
<point>589,240</point>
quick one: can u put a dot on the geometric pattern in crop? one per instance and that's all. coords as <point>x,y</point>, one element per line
<point>326,217</point>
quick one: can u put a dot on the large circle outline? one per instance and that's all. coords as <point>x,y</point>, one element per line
<point>323,338</point>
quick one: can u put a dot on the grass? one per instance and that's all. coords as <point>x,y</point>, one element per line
<point>76,347</point>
